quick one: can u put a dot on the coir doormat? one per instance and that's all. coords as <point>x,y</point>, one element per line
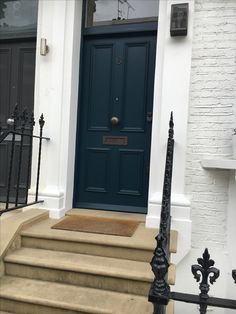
<point>82,223</point>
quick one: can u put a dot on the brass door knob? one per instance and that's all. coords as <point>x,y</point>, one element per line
<point>115,120</point>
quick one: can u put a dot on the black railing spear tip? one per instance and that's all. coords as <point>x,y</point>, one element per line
<point>171,126</point>
<point>204,269</point>
<point>41,121</point>
<point>234,275</point>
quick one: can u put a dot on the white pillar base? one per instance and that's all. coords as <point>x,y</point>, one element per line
<point>181,222</point>
<point>53,202</point>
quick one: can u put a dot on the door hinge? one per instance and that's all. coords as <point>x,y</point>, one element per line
<point>149,116</point>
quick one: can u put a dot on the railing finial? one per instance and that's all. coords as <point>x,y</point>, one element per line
<point>41,121</point>
<point>234,275</point>
<point>171,126</point>
<point>204,269</point>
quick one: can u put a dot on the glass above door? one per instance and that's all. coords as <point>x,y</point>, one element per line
<point>109,12</point>
<point>18,16</point>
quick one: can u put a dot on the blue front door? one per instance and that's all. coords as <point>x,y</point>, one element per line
<point>114,126</point>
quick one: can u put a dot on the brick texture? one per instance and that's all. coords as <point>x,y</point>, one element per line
<point>211,117</point>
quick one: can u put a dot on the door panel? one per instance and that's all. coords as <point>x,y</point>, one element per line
<point>97,166</point>
<point>5,77</point>
<point>112,159</point>
<point>25,82</point>
<point>130,176</point>
<point>17,70</point>
<point>134,87</point>
<point>100,83</point>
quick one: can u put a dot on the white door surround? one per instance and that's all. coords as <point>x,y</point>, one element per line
<point>56,95</point>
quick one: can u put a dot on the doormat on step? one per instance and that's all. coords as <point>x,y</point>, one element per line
<point>82,223</point>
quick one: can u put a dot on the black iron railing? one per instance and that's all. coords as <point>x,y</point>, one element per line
<point>18,136</point>
<point>160,293</point>
<point>160,258</point>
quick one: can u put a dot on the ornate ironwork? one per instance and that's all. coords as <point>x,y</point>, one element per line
<point>207,272</point>
<point>21,125</point>
<point>160,267</point>
<point>204,270</point>
<point>41,125</point>
<point>234,275</point>
<point>166,196</point>
<point>159,292</point>
<point>31,124</point>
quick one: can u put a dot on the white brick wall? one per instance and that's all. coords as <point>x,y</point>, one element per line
<point>211,117</point>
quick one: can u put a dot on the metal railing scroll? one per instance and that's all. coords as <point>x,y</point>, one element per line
<point>18,136</point>
<point>204,272</point>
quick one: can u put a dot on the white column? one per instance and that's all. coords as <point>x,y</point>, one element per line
<point>56,96</point>
<point>171,93</point>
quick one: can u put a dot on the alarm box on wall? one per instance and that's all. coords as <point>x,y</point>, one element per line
<point>179,19</point>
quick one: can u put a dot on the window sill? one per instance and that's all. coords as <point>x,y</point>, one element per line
<point>223,164</point>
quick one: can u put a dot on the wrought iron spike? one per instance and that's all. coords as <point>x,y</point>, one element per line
<point>171,126</point>
<point>234,275</point>
<point>166,198</point>
<point>41,121</point>
<point>204,270</point>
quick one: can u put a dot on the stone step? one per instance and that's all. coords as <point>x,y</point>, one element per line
<point>139,247</point>
<point>43,297</point>
<point>106,273</point>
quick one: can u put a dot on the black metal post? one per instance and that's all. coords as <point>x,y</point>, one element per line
<point>31,128</point>
<point>160,293</point>
<point>165,223</point>
<point>41,124</point>
<point>11,123</point>
<point>160,290</point>
<point>23,120</point>
<point>234,275</point>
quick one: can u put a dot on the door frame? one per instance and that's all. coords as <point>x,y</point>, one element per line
<point>98,32</point>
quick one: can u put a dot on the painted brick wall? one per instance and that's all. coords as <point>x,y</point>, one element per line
<point>211,117</point>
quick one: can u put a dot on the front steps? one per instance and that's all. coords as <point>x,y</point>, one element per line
<point>29,296</point>
<point>58,271</point>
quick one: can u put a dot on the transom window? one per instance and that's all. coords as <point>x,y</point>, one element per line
<point>18,16</point>
<point>108,12</point>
